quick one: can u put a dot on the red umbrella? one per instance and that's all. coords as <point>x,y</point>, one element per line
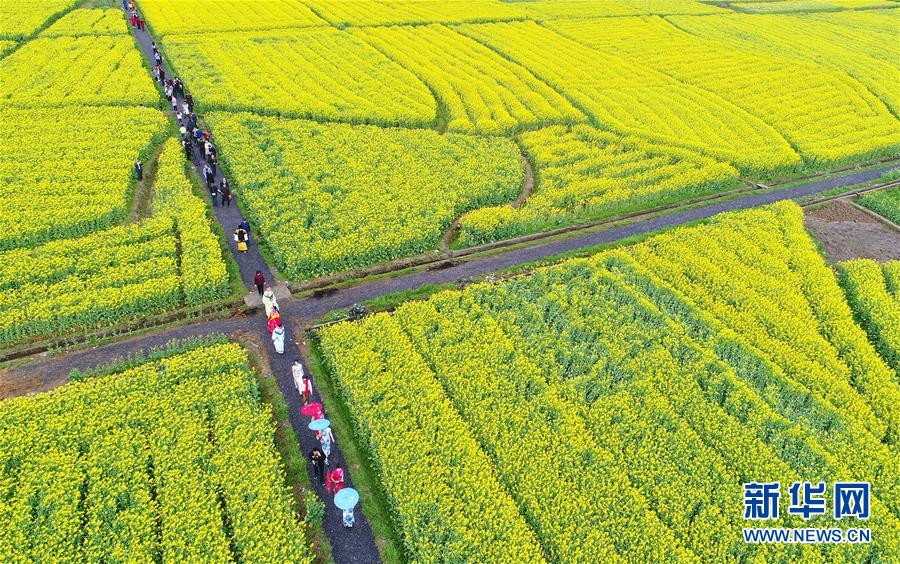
<point>311,408</point>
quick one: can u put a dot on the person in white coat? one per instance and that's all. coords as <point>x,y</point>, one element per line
<point>301,380</point>
<point>278,339</point>
<point>269,300</point>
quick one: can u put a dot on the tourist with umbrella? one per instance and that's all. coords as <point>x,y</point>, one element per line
<point>313,411</point>
<point>346,500</point>
<point>274,320</point>
<point>322,427</point>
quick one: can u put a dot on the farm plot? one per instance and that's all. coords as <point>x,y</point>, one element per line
<point>65,172</point>
<point>88,22</point>
<point>481,91</point>
<point>6,46</point>
<point>790,6</point>
<point>104,277</point>
<point>89,70</point>
<point>178,16</point>
<point>884,202</point>
<point>147,464</point>
<point>874,292</point>
<point>883,21</point>
<point>624,381</point>
<point>323,73</point>
<point>21,18</point>
<point>828,117</point>
<point>390,12</point>
<point>631,97</point>
<point>860,47</point>
<point>584,173</point>
<point>332,197</point>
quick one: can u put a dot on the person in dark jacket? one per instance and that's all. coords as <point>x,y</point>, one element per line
<point>209,176</point>
<point>139,169</point>
<point>225,192</point>
<point>260,282</point>
<point>245,225</point>
<point>188,149</point>
<point>317,458</point>
<point>190,100</point>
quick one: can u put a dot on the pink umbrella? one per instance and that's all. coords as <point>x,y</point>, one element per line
<point>311,409</point>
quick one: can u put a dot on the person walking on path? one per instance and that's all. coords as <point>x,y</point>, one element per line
<point>241,237</point>
<point>302,380</point>
<point>214,193</point>
<point>326,440</point>
<point>139,169</point>
<point>208,176</point>
<point>188,150</point>
<point>260,282</point>
<point>269,301</point>
<point>317,458</point>
<point>189,100</point>
<point>335,480</point>
<point>347,517</point>
<point>274,320</point>
<point>245,225</point>
<point>278,342</point>
<point>225,191</point>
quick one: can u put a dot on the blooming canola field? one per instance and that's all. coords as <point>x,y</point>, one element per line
<point>147,463</point>
<point>426,159</point>
<point>84,246</point>
<point>621,400</point>
<point>765,104</point>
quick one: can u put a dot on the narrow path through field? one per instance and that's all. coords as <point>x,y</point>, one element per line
<point>355,544</point>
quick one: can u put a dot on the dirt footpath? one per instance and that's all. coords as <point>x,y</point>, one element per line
<point>848,233</point>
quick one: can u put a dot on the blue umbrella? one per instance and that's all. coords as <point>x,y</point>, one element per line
<point>319,424</point>
<point>347,498</point>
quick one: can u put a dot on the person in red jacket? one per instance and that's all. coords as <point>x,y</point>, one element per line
<point>260,282</point>
<point>335,480</point>
<point>274,320</point>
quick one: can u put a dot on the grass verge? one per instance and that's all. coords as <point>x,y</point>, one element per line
<point>388,302</point>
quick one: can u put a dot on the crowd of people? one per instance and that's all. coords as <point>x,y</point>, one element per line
<point>196,141</point>
<point>137,21</point>
<point>333,479</point>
